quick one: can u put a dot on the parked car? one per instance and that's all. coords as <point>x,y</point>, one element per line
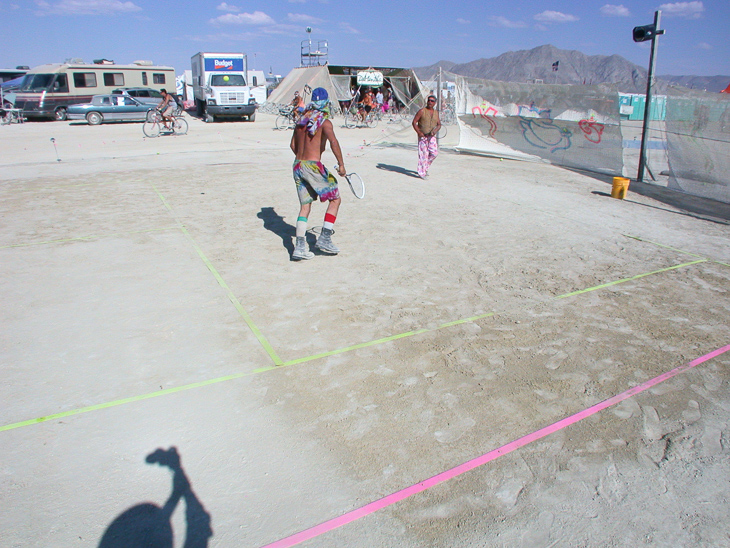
<point>109,108</point>
<point>143,95</point>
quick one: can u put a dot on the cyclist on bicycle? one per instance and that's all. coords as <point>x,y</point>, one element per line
<point>167,107</point>
<point>366,105</point>
<point>297,104</point>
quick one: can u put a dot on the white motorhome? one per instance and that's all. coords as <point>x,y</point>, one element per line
<point>48,90</point>
<point>220,87</point>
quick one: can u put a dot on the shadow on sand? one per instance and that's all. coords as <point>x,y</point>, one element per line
<point>398,169</point>
<point>691,206</point>
<point>149,525</point>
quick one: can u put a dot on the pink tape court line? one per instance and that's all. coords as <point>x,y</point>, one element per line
<point>484,459</point>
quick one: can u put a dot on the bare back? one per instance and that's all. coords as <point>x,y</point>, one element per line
<point>311,147</point>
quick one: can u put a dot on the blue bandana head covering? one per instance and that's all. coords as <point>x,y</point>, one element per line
<point>316,112</point>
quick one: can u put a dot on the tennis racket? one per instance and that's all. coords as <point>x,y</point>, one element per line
<point>357,185</point>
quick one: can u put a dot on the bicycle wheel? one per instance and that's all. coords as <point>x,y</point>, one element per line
<point>350,121</point>
<point>371,120</point>
<point>153,115</point>
<point>179,126</point>
<point>151,129</point>
<point>282,122</point>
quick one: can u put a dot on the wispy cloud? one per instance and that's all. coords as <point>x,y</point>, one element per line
<point>687,10</point>
<point>612,10</point>
<point>228,7</point>
<point>86,7</point>
<point>462,21</point>
<point>703,45</point>
<point>302,18</point>
<point>503,22</point>
<point>255,18</point>
<point>349,29</point>
<point>548,16</point>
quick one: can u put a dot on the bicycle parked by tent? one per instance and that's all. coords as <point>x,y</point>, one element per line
<point>356,117</point>
<point>154,126</point>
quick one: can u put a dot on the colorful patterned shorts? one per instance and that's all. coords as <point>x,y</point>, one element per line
<point>313,180</point>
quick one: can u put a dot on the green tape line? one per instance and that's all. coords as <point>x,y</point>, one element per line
<point>236,303</point>
<point>279,365</point>
<point>387,339</point>
<point>129,400</point>
<point>609,284</point>
<point>663,245</point>
<point>92,237</point>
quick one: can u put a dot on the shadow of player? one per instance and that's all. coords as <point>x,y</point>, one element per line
<point>147,525</point>
<point>398,169</point>
<point>276,224</point>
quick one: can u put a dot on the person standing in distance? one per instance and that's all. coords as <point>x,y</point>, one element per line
<point>311,134</point>
<point>427,124</point>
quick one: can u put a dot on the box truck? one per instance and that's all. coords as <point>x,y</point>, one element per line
<point>220,87</point>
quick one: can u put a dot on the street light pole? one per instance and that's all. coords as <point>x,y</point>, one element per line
<point>654,32</point>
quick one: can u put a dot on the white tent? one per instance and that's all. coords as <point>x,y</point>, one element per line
<point>337,80</point>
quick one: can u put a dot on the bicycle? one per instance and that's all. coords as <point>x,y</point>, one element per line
<point>11,116</point>
<point>154,125</point>
<point>448,116</point>
<point>353,118</point>
<point>287,118</point>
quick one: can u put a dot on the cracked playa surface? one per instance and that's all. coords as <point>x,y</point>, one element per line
<point>136,267</point>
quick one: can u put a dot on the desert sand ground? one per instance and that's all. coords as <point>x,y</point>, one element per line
<point>149,302</point>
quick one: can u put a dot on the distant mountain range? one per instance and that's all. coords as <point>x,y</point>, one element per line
<point>573,67</point>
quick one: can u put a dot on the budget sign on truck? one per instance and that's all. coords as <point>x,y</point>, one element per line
<point>220,87</point>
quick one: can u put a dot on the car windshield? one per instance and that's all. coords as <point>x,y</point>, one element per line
<point>223,80</point>
<point>37,82</point>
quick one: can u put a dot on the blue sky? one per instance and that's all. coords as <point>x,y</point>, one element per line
<point>384,33</point>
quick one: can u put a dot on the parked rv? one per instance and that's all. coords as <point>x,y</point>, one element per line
<point>48,90</point>
<point>220,87</point>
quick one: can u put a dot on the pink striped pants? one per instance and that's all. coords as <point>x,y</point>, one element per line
<point>428,149</point>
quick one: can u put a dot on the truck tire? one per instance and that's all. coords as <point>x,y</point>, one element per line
<point>252,117</point>
<point>199,108</point>
<point>209,118</point>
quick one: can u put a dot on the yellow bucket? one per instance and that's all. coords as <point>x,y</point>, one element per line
<point>620,187</point>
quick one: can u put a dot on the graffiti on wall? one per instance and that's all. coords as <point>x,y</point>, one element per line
<point>543,133</point>
<point>592,130</point>
<point>487,113</point>
<point>525,110</point>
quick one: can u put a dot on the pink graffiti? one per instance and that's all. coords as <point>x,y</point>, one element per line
<point>486,115</point>
<point>592,130</point>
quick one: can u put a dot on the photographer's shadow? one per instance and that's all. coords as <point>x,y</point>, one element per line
<point>147,525</point>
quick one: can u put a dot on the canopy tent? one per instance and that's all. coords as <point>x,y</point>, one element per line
<point>338,80</point>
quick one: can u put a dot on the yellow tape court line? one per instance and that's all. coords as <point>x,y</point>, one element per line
<point>672,248</point>
<point>242,311</point>
<point>313,357</point>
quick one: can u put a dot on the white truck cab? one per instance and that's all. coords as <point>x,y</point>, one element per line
<point>220,87</point>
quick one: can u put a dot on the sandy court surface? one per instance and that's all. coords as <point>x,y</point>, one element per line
<point>149,302</point>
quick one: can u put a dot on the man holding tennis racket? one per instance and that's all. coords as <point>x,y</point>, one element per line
<point>427,124</point>
<point>313,131</point>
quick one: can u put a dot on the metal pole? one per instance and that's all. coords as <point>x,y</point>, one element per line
<point>649,84</point>
<point>438,99</point>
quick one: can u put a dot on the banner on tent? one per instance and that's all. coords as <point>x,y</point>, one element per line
<point>370,78</point>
